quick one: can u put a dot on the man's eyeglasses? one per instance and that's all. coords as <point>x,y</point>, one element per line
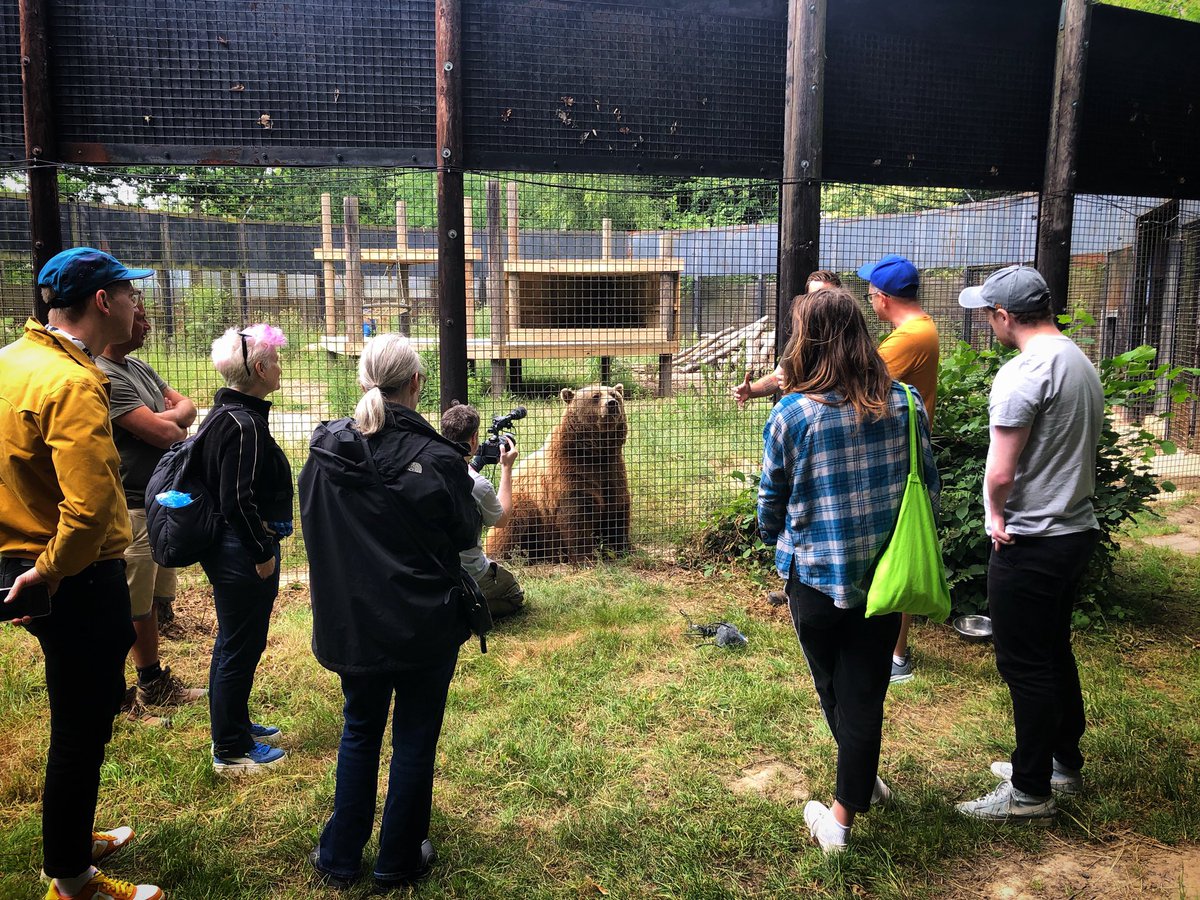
<point>869,294</point>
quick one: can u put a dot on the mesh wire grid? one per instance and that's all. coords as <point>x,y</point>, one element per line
<point>664,285</point>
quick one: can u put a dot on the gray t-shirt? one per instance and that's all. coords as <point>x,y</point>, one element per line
<point>1053,389</point>
<point>133,384</point>
<point>474,560</point>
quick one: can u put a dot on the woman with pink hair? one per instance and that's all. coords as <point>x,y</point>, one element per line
<point>250,481</point>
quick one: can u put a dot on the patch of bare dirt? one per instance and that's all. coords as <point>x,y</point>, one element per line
<point>1187,539</point>
<point>773,780</point>
<point>1130,867</point>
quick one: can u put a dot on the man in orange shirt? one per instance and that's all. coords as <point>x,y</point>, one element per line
<point>911,355</point>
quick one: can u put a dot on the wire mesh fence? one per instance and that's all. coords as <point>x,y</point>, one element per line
<point>663,286</point>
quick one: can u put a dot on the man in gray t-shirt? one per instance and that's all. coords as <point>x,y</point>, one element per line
<point>148,416</point>
<point>1046,410</point>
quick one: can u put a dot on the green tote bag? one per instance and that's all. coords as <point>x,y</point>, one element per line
<point>909,576</point>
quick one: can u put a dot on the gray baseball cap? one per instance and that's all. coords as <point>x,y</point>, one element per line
<point>1015,288</point>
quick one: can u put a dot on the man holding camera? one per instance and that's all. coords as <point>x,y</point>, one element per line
<point>63,532</point>
<point>504,595</point>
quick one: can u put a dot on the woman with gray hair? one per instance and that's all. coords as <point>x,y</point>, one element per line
<point>386,506</point>
<point>250,480</point>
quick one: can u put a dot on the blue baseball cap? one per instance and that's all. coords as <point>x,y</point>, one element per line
<point>894,275</point>
<point>78,273</point>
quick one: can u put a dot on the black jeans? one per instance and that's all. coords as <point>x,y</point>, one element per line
<point>85,640</point>
<point>420,696</point>
<point>244,602</point>
<point>1032,586</point>
<point>850,657</point>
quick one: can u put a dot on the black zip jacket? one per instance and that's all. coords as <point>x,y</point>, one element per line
<point>380,602</point>
<point>245,471</point>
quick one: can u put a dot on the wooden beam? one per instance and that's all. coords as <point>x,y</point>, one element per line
<point>328,275</point>
<point>45,227</point>
<point>452,287</point>
<point>1056,212</point>
<point>495,286</point>
<point>403,290</point>
<point>800,196</point>
<point>352,239</point>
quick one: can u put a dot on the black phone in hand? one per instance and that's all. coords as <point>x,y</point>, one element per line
<point>33,600</point>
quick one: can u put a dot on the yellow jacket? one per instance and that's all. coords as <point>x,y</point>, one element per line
<point>61,501</point>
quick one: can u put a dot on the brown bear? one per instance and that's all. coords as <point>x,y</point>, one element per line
<point>571,497</point>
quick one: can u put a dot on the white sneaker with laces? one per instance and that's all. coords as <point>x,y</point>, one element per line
<point>1007,804</point>
<point>882,795</point>
<point>1063,781</point>
<point>830,834</point>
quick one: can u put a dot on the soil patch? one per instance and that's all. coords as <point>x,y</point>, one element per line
<point>773,780</point>
<point>1187,539</point>
<point>1129,867</point>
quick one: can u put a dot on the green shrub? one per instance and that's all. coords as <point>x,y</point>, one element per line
<point>1124,483</point>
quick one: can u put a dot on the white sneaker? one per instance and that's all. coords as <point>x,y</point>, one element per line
<point>101,887</point>
<point>1063,781</point>
<point>824,828</point>
<point>882,795</point>
<point>1007,804</point>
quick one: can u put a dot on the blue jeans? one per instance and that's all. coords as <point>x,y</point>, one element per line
<point>416,724</point>
<point>243,602</point>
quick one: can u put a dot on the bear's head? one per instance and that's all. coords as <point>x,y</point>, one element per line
<point>595,415</point>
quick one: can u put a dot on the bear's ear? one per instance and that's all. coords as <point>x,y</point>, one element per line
<point>567,395</point>
<point>619,389</point>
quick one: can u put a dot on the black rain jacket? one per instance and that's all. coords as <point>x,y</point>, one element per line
<point>380,603</point>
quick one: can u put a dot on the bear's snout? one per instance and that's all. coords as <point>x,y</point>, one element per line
<point>614,405</point>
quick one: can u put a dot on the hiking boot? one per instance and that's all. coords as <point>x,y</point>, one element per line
<point>101,887</point>
<point>266,734</point>
<point>1007,804</point>
<point>255,762</point>
<point>825,829</point>
<point>882,794</point>
<point>387,882</point>
<point>902,672</point>
<point>166,609</point>
<point>167,690</point>
<point>1063,781</point>
<point>134,711</point>
<point>327,877</point>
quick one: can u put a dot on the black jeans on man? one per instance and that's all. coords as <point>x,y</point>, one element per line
<point>420,704</point>
<point>1032,586</point>
<point>85,640</point>
<point>244,602</point>
<point>850,657</point>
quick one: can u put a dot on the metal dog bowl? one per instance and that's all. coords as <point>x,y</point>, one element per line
<point>974,628</point>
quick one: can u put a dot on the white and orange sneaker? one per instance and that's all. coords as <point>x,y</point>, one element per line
<point>106,843</point>
<point>101,887</point>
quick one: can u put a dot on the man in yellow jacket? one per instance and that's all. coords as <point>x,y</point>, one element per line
<point>63,532</point>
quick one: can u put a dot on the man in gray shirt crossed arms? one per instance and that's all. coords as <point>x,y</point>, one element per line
<point>1046,410</point>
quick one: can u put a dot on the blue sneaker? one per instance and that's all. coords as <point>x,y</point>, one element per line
<point>266,734</point>
<point>258,760</point>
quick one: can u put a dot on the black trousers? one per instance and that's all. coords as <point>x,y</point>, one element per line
<point>850,657</point>
<point>1032,587</point>
<point>85,640</point>
<point>243,602</point>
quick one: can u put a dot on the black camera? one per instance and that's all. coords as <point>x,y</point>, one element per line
<point>489,449</point>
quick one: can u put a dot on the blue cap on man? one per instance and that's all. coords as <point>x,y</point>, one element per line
<point>894,275</point>
<point>78,273</point>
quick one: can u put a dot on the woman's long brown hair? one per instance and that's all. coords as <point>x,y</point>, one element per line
<point>831,351</point>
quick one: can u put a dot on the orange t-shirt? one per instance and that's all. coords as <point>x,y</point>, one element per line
<point>911,355</point>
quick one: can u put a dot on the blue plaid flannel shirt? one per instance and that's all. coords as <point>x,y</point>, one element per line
<point>831,489</point>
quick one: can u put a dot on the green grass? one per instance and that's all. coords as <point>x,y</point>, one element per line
<point>590,752</point>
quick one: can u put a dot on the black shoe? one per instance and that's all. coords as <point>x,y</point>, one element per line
<point>404,879</point>
<point>324,875</point>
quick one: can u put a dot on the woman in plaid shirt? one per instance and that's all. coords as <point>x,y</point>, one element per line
<point>835,461</point>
